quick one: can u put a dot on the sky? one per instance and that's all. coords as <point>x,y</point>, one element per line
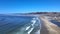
<point>27,6</point>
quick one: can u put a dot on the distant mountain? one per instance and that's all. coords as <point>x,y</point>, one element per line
<point>45,13</point>
<point>32,13</point>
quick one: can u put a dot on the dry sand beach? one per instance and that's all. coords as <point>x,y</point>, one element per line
<point>48,27</point>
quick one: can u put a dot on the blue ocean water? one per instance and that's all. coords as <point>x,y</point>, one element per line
<point>19,24</point>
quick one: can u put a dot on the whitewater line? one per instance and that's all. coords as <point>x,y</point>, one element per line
<point>30,30</point>
<point>39,22</point>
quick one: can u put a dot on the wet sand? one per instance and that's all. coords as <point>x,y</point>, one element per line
<point>48,27</point>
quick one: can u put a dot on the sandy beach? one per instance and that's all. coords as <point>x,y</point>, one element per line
<point>48,27</point>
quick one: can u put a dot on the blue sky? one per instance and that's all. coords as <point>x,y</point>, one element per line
<point>25,6</point>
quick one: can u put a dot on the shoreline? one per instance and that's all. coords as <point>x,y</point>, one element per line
<point>48,27</point>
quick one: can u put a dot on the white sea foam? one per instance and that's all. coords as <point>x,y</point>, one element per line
<point>27,27</point>
<point>33,21</point>
<point>30,30</point>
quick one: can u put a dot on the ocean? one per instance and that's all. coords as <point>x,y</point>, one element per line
<point>19,25</point>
